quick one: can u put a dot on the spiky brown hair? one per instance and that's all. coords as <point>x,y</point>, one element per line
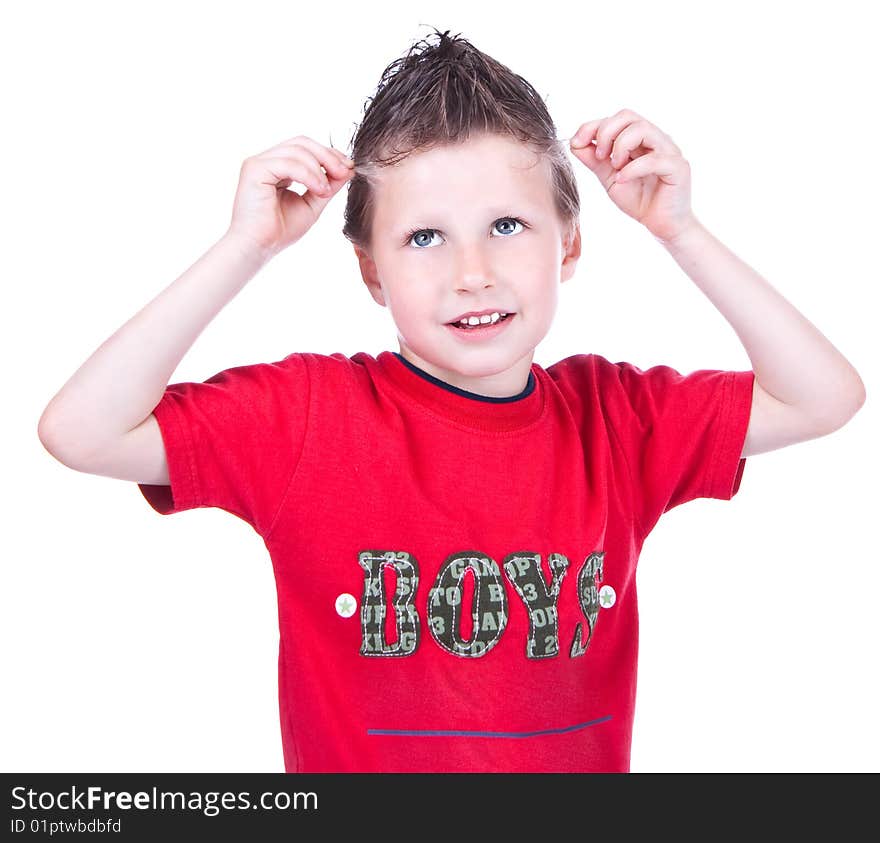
<point>441,93</point>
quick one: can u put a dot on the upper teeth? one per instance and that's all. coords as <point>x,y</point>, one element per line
<point>482,320</point>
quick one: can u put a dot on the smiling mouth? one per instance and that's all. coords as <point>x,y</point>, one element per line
<point>465,326</point>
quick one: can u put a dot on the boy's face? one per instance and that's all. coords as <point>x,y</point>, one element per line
<point>469,254</point>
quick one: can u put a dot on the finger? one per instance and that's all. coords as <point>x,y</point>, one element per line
<point>343,157</point>
<point>671,169</point>
<point>636,140</point>
<point>331,177</point>
<point>582,147</point>
<point>326,156</point>
<point>320,182</point>
<point>300,168</point>
<point>610,128</point>
<point>585,134</point>
<point>347,172</point>
<point>305,145</point>
<point>285,145</point>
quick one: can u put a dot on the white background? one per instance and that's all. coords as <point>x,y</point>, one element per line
<point>136,642</point>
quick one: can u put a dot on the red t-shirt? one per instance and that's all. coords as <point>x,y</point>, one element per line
<point>455,573</point>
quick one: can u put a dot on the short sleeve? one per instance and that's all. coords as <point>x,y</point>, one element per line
<point>682,435</point>
<point>233,441</point>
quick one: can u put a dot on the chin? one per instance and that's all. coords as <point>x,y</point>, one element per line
<point>479,365</point>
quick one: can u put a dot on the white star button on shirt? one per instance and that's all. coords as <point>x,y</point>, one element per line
<point>346,605</point>
<point>607,597</point>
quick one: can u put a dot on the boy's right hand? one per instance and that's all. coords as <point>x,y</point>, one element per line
<point>271,217</point>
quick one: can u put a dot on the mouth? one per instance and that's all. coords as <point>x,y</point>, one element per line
<point>486,321</point>
<point>483,330</point>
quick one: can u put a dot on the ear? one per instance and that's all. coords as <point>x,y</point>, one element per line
<point>370,275</point>
<point>572,251</point>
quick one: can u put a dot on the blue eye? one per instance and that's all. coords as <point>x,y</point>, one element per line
<point>418,232</point>
<point>507,220</point>
<point>421,232</point>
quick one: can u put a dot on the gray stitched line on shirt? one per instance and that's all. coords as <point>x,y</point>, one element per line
<point>467,734</point>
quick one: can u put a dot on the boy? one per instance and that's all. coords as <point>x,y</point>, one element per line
<point>454,530</point>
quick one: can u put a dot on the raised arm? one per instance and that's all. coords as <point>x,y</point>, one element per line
<point>803,387</point>
<point>114,392</point>
<point>101,420</point>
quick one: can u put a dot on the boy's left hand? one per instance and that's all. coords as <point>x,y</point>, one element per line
<point>656,186</point>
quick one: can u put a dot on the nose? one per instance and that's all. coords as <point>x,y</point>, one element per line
<point>473,271</point>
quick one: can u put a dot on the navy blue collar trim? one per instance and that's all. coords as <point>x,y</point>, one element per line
<point>529,388</point>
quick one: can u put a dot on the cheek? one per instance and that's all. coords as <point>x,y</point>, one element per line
<point>545,297</point>
<point>535,254</point>
<point>406,306</point>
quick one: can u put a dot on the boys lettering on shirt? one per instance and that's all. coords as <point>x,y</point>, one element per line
<point>489,609</point>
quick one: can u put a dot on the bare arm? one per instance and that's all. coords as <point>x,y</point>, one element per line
<point>101,420</point>
<point>804,387</point>
<point>116,389</point>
